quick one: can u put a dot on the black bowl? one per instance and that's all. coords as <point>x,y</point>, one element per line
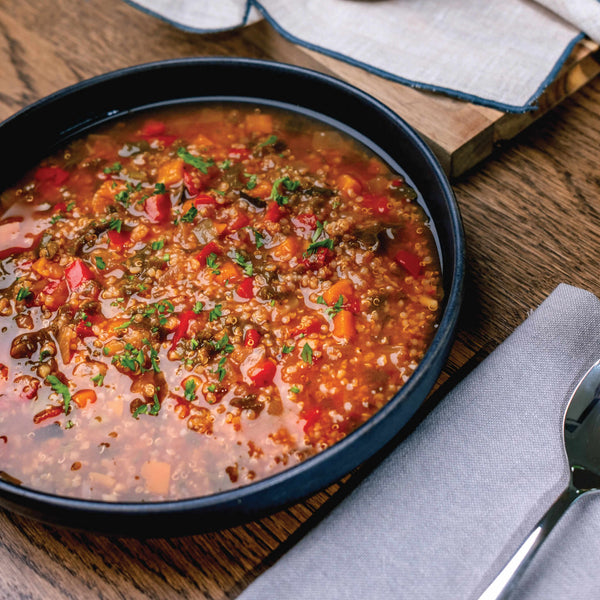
<point>37,130</point>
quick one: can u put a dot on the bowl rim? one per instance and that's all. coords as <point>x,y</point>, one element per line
<point>438,349</point>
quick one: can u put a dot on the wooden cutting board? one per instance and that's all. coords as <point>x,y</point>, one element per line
<point>460,133</point>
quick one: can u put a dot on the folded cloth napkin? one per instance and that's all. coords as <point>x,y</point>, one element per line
<point>440,517</point>
<point>501,53</point>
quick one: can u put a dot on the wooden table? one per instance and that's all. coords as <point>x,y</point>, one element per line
<point>532,220</point>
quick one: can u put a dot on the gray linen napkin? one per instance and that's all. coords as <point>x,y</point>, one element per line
<point>501,53</point>
<point>443,513</point>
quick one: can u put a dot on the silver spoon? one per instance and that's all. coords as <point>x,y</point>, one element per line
<point>581,433</point>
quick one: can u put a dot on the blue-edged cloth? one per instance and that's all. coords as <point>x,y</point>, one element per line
<point>441,516</point>
<point>498,53</point>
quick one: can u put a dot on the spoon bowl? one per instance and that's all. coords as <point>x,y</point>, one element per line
<point>580,435</point>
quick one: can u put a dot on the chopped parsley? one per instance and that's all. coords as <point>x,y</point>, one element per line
<point>123,197</point>
<point>295,389</point>
<point>160,188</point>
<point>215,313</point>
<point>100,263</point>
<point>200,164</point>
<point>158,245</point>
<point>56,218</point>
<point>318,231</point>
<point>190,389</point>
<point>211,263</point>
<point>287,349</point>
<point>328,243</point>
<point>268,142</point>
<point>115,224</point>
<point>221,372</point>
<point>190,215</point>
<point>251,183</point>
<point>225,164</point>
<point>198,307</point>
<point>245,264</point>
<point>24,293</point>
<point>212,387</point>
<point>288,184</point>
<point>115,168</point>
<point>98,379</point>
<point>143,409</point>
<point>258,238</point>
<point>60,388</point>
<point>223,345</point>
<point>307,354</point>
<point>335,309</point>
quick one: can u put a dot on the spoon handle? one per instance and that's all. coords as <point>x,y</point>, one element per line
<point>504,583</point>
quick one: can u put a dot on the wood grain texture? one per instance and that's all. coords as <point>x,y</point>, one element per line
<point>531,216</point>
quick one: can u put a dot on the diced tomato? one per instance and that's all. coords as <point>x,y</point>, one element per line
<point>118,239</point>
<point>305,224</point>
<point>311,417</point>
<point>54,175</point>
<point>184,321</point>
<point>210,248</point>
<point>241,220</point>
<point>153,127</point>
<point>376,204</point>
<point>246,288</point>
<point>59,207</point>
<point>318,259</point>
<point>158,208</point>
<point>396,183</point>
<point>251,338</point>
<point>409,262</point>
<point>190,184</point>
<point>77,273</point>
<point>274,212</point>
<point>204,199</point>
<point>262,373</point>
<point>84,329</point>
<point>238,153</point>
<point>307,325</point>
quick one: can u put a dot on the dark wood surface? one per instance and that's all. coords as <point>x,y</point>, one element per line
<point>532,220</point>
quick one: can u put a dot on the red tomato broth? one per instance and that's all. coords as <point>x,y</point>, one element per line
<point>174,325</point>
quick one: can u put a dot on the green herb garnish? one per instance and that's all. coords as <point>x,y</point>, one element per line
<point>268,142</point>
<point>200,164</point>
<point>215,313</point>
<point>288,184</point>
<point>60,388</point>
<point>100,263</point>
<point>115,168</point>
<point>307,354</point>
<point>24,293</point>
<point>328,243</point>
<point>98,379</point>
<point>251,183</point>
<point>245,264</point>
<point>158,245</point>
<point>190,215</point>
<point>190,390</point>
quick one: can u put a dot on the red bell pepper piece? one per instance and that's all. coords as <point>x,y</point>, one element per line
<point>409,262</point>
<point>262,373</point>
<point>77,273</point>
<point>118,239</point>
<point>311,416</point>
<point>241,220</point>
<point>246,288</point>
<point>158,208</point>
<point>204,199</point>
<point>319,259</point>
<point>190,184</point>
<point>84,328</point>
<point>153,127</point>
<point>54,175</point>
<point>184,321</point>
<point>210,248</point>
<point>376,204</point>
<point>251,338</point>
<point>273,212</point>
<point>306,327</point>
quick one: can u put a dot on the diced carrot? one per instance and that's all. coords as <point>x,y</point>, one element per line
<point>202,141</point>
<point>229,271</point>
<point>170,172</point>
<point>343,325</point>
<point>157,475</point>
<point>349,186</point>
<point>286,250</point>
<point>47,268</point>
<point>259,123</point>
<point>262,190</point>
<point>84,397</point>
<point>343,288</point>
